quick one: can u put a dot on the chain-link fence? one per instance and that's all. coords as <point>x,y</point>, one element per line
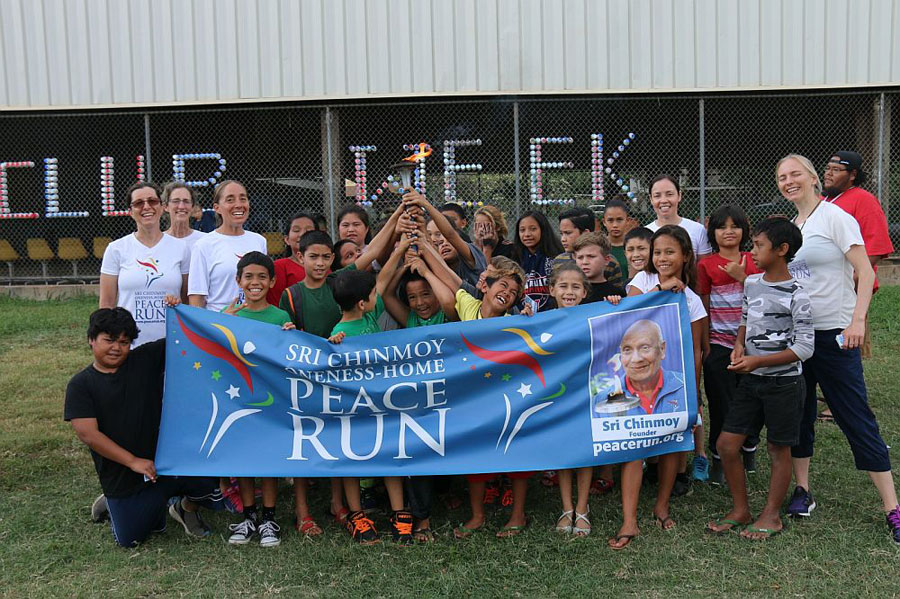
<point>518,154</point>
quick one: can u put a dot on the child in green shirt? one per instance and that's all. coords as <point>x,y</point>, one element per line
<point>255,276</point>
<point>358,293</point>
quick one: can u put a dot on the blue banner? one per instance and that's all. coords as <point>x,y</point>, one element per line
<point>589,385</point>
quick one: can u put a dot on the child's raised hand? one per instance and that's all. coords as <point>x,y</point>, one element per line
<point>414,198</point>
<point>614,299</point>
<point>407,224</point>
<point>288,326</point>
<point>735,270</point>
<point>234,307</point>
<point>339,338</point>
<point>172,300</point>
<point>674,285</point>
<point>403,244</point>
<point>417,265</point>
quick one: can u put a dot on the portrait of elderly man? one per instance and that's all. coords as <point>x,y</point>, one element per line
<point>658,391</point>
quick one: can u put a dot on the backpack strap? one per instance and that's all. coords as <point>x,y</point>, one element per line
<point>294,303</point>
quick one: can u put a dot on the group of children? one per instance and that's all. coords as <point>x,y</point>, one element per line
<point>420,270</point>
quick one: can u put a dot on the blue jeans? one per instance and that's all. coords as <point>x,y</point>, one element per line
<point>133,518</point>
<point>840,374</point>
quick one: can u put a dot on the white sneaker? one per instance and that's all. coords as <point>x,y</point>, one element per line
<point>269,534</point>
<point>242,532</point>
<point>99,510</point>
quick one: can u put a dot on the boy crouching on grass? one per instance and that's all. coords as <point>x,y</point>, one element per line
<point>358,293</point>
<point>256,276</point>
<point>115,406</point>
<point>776,334</point>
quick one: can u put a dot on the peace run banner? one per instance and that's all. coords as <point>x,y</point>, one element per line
<point>593,384</point>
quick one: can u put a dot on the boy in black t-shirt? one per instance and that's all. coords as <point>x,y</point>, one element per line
<point>592,253</point>
<point>115,406</point>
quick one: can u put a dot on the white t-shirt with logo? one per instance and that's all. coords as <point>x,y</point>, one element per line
<point>214,266</point>
<point>822,268</point>
<point>647,282</point>
<point>697,233</point>
<point>145,276</point>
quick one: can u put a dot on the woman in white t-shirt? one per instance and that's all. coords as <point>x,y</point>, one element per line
<point>212,283</point>
<point>672,268</point>
<point>832,250</point>
<point>140,269</point>
<point>665,196</point>
<point>178,201</point>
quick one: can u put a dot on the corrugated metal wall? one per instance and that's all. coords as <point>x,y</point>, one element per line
<point>65,53</point>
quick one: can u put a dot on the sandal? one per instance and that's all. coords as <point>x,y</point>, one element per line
<point>307,526</point>
<point>565,529</point>
<point>340,517</point>
<point>511,531</point>
<point>582,531</point>
<point>769,532</point>
<point>601,486</point>
<point>664,523</point>
<point>733,526</point>
<point>618,538</point>
<point>462,532</point>
<point>424,535</point>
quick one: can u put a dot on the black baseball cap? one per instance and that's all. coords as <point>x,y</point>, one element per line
<point>852,160</point>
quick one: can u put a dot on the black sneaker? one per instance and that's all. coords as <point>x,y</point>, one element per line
<point>269,534</point>
<point>749,458</point>
<point>99,510</point>
<point>401,528</point>
<point>893,522</point>
<point>191,521</point>
<point>362,529</point>
<point>242,532</point>
<point>682,485</point>
<point>802,503</point>
<point>716,474</point>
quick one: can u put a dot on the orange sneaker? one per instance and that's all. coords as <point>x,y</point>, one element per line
<point>362,529</point>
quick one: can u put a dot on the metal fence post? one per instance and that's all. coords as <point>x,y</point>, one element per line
<point>516,159</point>
<point>702,161</point>
<point>148,163</point>
<point>327,180</point>
<point>880,165</point>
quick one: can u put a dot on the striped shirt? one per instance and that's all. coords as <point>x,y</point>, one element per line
<point>725,296</point>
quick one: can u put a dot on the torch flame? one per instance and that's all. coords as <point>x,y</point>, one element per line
<point>420,155</point>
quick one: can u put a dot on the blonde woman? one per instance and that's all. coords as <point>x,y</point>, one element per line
<point>832,251</point>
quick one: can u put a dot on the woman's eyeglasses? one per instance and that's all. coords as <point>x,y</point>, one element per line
<point>152,202</point>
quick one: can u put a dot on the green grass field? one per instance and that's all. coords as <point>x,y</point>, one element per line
<point>49,547</point>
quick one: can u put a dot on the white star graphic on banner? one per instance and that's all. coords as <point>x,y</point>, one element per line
<point>524,390</point>
<point>233,391</point>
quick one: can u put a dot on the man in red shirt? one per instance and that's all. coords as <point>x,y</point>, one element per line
<point>843,177</point>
